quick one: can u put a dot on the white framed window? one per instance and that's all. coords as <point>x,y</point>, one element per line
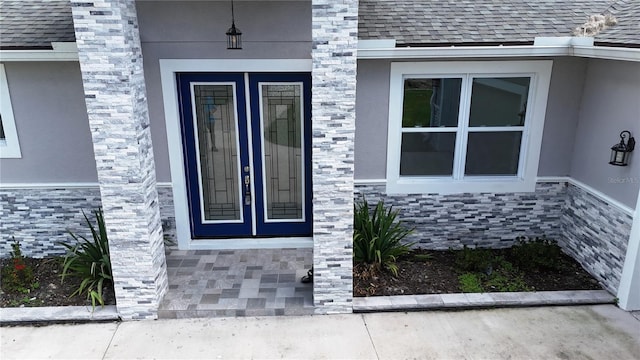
<point>457,127</point>
<point>9,146</point>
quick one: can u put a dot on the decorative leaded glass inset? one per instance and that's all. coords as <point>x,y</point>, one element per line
<point>282,156</point>
<point>218,151</point>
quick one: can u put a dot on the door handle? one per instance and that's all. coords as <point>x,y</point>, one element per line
<point>247,189</point>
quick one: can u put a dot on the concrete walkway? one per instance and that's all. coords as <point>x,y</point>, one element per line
<point>571,332</point>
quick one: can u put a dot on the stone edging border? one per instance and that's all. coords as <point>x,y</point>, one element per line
<point>58,313</point>
<point>480,300</point>
<point>360,304</point>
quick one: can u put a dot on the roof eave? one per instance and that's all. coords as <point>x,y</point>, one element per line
<point>501,51</point>
<point>465,44</point>
<point>62,51</point>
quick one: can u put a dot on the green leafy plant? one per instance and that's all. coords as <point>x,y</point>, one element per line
<point>423,257</point>
<point>26,301</point>
<point>89,260</point>
<point>470,283</point>
<point>485,271</point>
<point>377,236</point>
<point>17,276</point>
<point>499,280</point>
<point>540,253</point>
<point>506,281</point>
<point>475,260</point>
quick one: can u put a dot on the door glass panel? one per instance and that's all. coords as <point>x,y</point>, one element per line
<point>281,117</point>
<point>218,152</point>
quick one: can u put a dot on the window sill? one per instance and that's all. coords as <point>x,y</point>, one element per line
<point>9,152</point>
<point>444,186</point>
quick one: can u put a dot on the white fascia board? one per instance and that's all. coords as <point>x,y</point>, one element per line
<point>376,44</point>
<point>453,52</point>
<point>60,52</point>
<point>563,41</point>
<point>605,52</point>
<point>463,52</point>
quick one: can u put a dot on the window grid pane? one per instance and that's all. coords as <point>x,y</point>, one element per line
<point>498,101</point>
<point>429,103</point>
<point>493,153</point>
<point>427,154</point>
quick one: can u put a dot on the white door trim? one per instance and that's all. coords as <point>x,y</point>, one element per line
<point>168,70</point>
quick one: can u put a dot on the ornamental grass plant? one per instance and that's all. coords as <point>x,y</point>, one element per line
<point>89,260</point>
<point>378,236</point>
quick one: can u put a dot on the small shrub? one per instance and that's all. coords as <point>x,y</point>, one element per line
<point>89,260</point>
<point>17,276</point>
<point>484,271</point>
<point>540,253</point>
<point>377,236</point>
<point>470,283</point>
<point>29,301</point>
<point>423,257</point>
<point>475,260</point>
<point>506,281</point>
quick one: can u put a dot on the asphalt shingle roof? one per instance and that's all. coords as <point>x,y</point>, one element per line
<point>627,31</point>
<point>431,23</point>
<point>35,24</point>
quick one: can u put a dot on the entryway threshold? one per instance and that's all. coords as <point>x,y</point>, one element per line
<point>58,314</point>
<point>481,300</point>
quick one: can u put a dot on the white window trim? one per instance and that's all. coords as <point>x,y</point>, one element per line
<point>540,72</point>
<point>9,146</point>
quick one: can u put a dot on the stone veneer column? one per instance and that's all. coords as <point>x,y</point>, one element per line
<point>115,94</point>
<point>334,32</point>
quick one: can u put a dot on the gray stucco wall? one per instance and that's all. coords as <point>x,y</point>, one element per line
<point>610,104</point>
<point>51,121</point>
<point>561,119</point>
<point>372,110</point>
<point>372,114</point>
<point>196,30</point>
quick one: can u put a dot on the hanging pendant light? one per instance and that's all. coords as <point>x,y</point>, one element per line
<point>234,35</point>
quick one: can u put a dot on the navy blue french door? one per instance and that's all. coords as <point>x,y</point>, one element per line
<point>246,140</point>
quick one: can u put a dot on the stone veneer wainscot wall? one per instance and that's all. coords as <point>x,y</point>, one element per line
<point>589,229</point>
<point>596,235</point>
<point>334,33</point>
<point>483,220</point>
<point>111,64</point>
<point>42,217</point>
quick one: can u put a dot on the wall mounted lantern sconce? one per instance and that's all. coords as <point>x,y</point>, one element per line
<point>620,152</point>
<point>234,35</point>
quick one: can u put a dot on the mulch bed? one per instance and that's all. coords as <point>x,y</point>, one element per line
<point>51,291</point>
<point>438,275</point>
